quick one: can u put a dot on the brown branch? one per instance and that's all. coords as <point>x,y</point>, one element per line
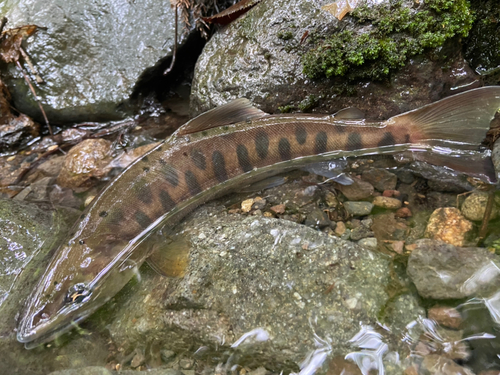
<point>26,78</point>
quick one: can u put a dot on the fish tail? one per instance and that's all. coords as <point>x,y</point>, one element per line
<point>463,118</point>
<point>459,122</point>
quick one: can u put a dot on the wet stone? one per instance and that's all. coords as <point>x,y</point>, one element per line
<point>387,202</point>
<point>406,177</point>
<point>474,206</point>
<point>357,191</point>
<point>368,243</point>
<point>167,355</point>
<point>387,228</point>
<point>90,370</point>
<point>449,225</point>
<point>317,219</point>
<point>83,90</point>
<point>279,209</point>
<point>361,232</point>
<point>443,271</point>
<point>340,228</point>
<point>358,208</point>
<point>259,203</point>
<point>435,364</point>
<point>446,316</point>
<point>381,179</point>
<point>186,363</point>
<point>87,159</point>
<point>403,212</point>
<point>445,186</point>
<point>195,308</point>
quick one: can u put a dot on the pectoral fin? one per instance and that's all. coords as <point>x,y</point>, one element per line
<point>170,257</point>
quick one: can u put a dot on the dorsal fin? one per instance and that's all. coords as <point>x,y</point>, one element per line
<point>351,113</point>
<point>236,111</point>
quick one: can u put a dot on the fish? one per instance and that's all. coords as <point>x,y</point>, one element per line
<point>215,153</point>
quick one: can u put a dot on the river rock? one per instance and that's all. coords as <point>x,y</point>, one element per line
<point>263,54</point>
<point>474,206</point>
<point>495,156</point>
<point>357,191</point>
<point>445,316</point>
<point>361,232</point>
<point>358,208</point>
<point>317,218</point>
<point>449,225</point>
<point>91,54</point>
<point>228,263</point>
<point>380,178</point>
<point>387,202</point>
<point>444,271</point>
<point>87,159</point>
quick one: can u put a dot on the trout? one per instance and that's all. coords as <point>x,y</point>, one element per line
<point>225,148</point>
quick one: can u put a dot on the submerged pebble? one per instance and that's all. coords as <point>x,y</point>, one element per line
<point>446,316</point>
<point>449,225</point>
<point>443,271</point>
<point>474,206</point>
<point>358,208</point>
<point>381,179</point>
<point>387,202</point>
<point>87,159</point>
<point>357,191</point>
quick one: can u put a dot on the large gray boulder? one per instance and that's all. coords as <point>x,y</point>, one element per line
<point>91,55</point>
<point>270,54</point>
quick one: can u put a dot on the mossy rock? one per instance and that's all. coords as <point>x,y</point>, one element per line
<point>390,34</point>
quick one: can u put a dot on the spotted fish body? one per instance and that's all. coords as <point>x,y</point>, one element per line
<point>208,157</point>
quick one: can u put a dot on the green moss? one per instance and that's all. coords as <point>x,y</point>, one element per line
<point>285,35</point>
<point>308,103</point>
<point>398,33</point>
<point>286,108</point>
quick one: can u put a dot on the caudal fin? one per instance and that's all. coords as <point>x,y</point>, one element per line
<point>463,118</point>
<point>452,130</point>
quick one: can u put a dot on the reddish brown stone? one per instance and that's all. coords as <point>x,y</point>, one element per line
<point>446,316</point>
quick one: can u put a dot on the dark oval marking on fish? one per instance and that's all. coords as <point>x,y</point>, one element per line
<point>199,159</point>
<point>170,173</point>
<point>145,159</point>
<point>262,144</point>
<point>300,134</point>
<point>166,201</point>
<point>219,165</point>
<point>284,149</point>
<point>103,214</point>
<point>192,183</point>
<point>142,219</point>
<point>387,140</point>
<point>145,169</point>
<point>407,138</point>
<point>145,195</point>
<point>354,142</point>
<point>243,158</point>
<point>320,143</point>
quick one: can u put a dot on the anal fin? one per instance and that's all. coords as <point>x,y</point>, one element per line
<point>473,163</point>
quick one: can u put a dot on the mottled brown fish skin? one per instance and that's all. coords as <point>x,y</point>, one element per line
<point>188,169</point>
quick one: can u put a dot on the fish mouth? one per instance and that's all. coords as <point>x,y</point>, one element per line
<point>33,336</point>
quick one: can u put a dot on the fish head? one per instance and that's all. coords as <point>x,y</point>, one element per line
<point>79,279</point>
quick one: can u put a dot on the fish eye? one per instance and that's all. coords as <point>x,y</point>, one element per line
<point>77,293</point>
